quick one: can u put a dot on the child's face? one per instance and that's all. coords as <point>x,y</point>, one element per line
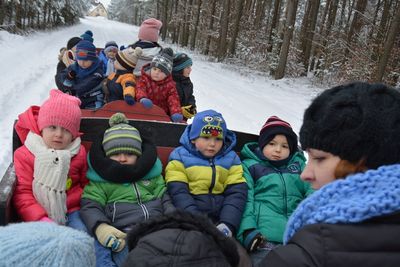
<point>111,53</point>
<point>157,75</point>
<point>320,168</point>
<point>125,158</point>
<point>208,146</point>
<point>56,137</point>
<point>84,64</point>
<point>186,71</point>
<point>277,148</point>
<point>118,66</point>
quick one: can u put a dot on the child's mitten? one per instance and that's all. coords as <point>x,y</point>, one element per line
<point>71,75</point>
<point>223,228</point>
<point>129,100</point>
<point>252,239</point>
<point>176,117</point>
<point>188,111</point>
<point>110,237</point>
<point>147,103</point>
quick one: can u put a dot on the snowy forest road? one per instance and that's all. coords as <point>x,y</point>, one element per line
<point>246,99</point>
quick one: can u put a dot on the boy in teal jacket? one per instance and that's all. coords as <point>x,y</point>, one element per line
<point>126,187</point>
<point>272,169</point>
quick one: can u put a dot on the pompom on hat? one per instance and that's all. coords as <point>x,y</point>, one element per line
<point>88,36</point>
<point>85,50</point>
<point>181,61</point>
<point>164,60</point>
<point>60,109</point>
<point>208,123</point>
<point>121,137</point>
<point>37,244</point>
<point>356,121</point>
<point>150,30</point>
<point>128,57</point>
<point>273,126</point>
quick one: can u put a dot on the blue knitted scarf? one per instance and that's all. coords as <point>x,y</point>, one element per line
<point>355,199</point>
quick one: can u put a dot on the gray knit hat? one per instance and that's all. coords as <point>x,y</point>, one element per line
<point>121,137</point>
<point>164,60</point>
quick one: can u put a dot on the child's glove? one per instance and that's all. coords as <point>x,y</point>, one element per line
<point>188,111</point>
<point>146,102</point>
<point>223,228</point>
<point>129,100</point>
<point>252,239</point>
<point>46,219</point>
<point>110,237</point>
<point>71,75</point>
<point>176,117</point>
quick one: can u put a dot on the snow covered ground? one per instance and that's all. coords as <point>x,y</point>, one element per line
<point>246,99</point>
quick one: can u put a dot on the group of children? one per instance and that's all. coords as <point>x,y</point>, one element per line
<point>119,184</point>
<point>143,72</point>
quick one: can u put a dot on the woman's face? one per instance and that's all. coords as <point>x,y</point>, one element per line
<point>320,168</point>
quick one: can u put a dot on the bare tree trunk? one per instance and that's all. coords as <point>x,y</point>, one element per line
<point>357,19</point>
<point>210,27</point>
<point>224,30</point>
<point>393,32</point>
<point>186,23</point>
<point>260,9</point>
<point>165,19</point>
<point>195,26</point>
<point>307,30</point>
<point>274,23</point>
<point>239,9</point>
<point>288,33</point>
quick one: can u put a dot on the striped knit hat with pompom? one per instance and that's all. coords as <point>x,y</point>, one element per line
<point>121,137</point>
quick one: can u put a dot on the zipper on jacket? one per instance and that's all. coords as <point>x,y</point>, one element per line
<point>212,184</point>
<point>284,194</point>
<point>144,208</point>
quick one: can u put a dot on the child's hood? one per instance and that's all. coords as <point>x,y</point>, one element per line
<point>27,121</point>
<point>229,142</point>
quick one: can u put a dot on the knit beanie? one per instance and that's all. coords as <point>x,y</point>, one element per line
<point>150,30</point>
<point>37,244</point>
<point>273,126</point>
<point>85,50</point>
<point>73,42</point>
<point>88,36</point>
<point>357,121</point>
<point>208,123</point>
<point>121,137</point>
<point>60,109</point>
<point>163,61</point>
<point>181,61</point>
<point>109,46</point>
<point>128,57</point>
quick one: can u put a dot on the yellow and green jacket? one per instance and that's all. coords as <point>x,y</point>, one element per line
<point>212,186</point>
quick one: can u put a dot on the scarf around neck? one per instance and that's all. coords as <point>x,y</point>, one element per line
<point>357,198</point>
<point>51,168</point>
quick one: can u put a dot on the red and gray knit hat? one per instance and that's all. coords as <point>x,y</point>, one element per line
<point>121,137</point>
<point>273,126</point>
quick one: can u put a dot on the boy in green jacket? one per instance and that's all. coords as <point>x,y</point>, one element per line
<point>272,169</point>
<point>126,187</point>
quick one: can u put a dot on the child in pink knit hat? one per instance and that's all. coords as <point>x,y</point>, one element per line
<point>148,35</point>
<point>51,164</point>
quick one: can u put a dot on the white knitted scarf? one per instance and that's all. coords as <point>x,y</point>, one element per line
<point>50,175</point>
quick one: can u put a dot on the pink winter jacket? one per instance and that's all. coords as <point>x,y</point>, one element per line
<point>24,202</point>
